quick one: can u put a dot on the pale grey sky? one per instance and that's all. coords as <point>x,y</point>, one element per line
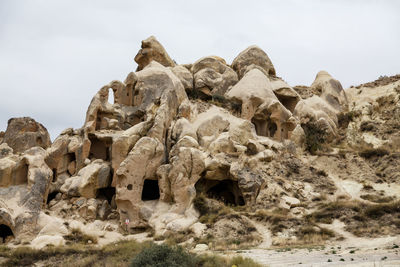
<point>55,55</point>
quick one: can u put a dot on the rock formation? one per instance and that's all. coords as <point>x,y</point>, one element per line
<point>174,132</point>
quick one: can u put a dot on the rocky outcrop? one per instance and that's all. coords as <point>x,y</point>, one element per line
<point>152,50</point>
<point>212,76</point>
<point>177,133</point>
<point>24,133</point>
<point>261,106</point>
<point>251,58</point>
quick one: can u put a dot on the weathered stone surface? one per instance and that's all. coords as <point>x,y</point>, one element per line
<point>155,158</point>
<point>250,58</point>
<point>152,50</point>
<point>212,76</point>
<point>89,180</point>
<point>330,90</point>
<point>24,133</point>
<point>184,75</point>
<point>261,106</point>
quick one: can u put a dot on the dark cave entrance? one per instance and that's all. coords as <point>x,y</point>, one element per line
<point>51,196</point>
<point>226,191</point>
<point>54,178</point>
<point>150,191</point>
<point>5,233</point>
<point>100,148</point>
<point>106,193</point>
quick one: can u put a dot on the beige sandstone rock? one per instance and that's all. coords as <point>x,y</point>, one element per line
<point>261,106</point>
<point>24,133</point>
<point>140,162</point>
<point>250,58</point>
<point>152,50</point>
<point>212,76</point>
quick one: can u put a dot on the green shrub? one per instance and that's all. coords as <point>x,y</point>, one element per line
<point>163,255</point>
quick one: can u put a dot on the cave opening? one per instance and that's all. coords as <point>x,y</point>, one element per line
<point>20,174</point>
<point>106,193</point>
<point>150,191</point>
<point>226,191</point>
<point>54,178</point>
<point>272,129</point>
<point>99,148</point>
<point>261,126</point>
<point>288,102</point>
<point>51,196</point>
<point>5,233</point>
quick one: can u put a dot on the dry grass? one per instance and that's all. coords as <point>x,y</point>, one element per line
<point>376,198</point>
<point>118,254</point>
<point>77,236</point>
<point>361,219</point>
<point>373,152</point>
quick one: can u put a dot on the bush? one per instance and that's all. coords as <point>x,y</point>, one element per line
<point>163,255</point>
<point>344,118</point>
<point>315,136</point>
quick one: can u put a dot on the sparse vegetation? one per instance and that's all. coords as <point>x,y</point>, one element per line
<point>361,219</point>
<point>344,118</point>
<point>315,136</point>
<point>77,236</point>
<point>373,152</point>
<point>376,198</point>
<point>123,254</point>
<point>163,255</point>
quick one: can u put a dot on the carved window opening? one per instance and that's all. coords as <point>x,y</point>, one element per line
<point>100,148</point>
<point>111,96</point>
<point>20,173</point>
<point>151,190</point>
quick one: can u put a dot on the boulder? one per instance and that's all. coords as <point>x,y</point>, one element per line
<point>152,50</point>
<point>89,180</point>
<point>24,133</point>
<point>251,58</point>
<point>212,76</point>
<point>330,90</point>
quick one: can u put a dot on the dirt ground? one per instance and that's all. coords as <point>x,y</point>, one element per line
<point>351,252</point>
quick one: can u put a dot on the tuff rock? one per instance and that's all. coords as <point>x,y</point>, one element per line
<point>174,133</point>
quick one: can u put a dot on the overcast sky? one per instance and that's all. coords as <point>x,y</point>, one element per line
<point>55,55</point>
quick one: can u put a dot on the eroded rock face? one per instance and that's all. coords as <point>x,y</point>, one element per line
<point>253,57</point>
<point>24,133</point>
<point>212,76</point>
<point>142,160</point>
<point>261,106</point>
<point>152,50</point>
<point>330,90</point>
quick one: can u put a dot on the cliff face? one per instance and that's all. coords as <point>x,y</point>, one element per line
<point>183,142</point>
